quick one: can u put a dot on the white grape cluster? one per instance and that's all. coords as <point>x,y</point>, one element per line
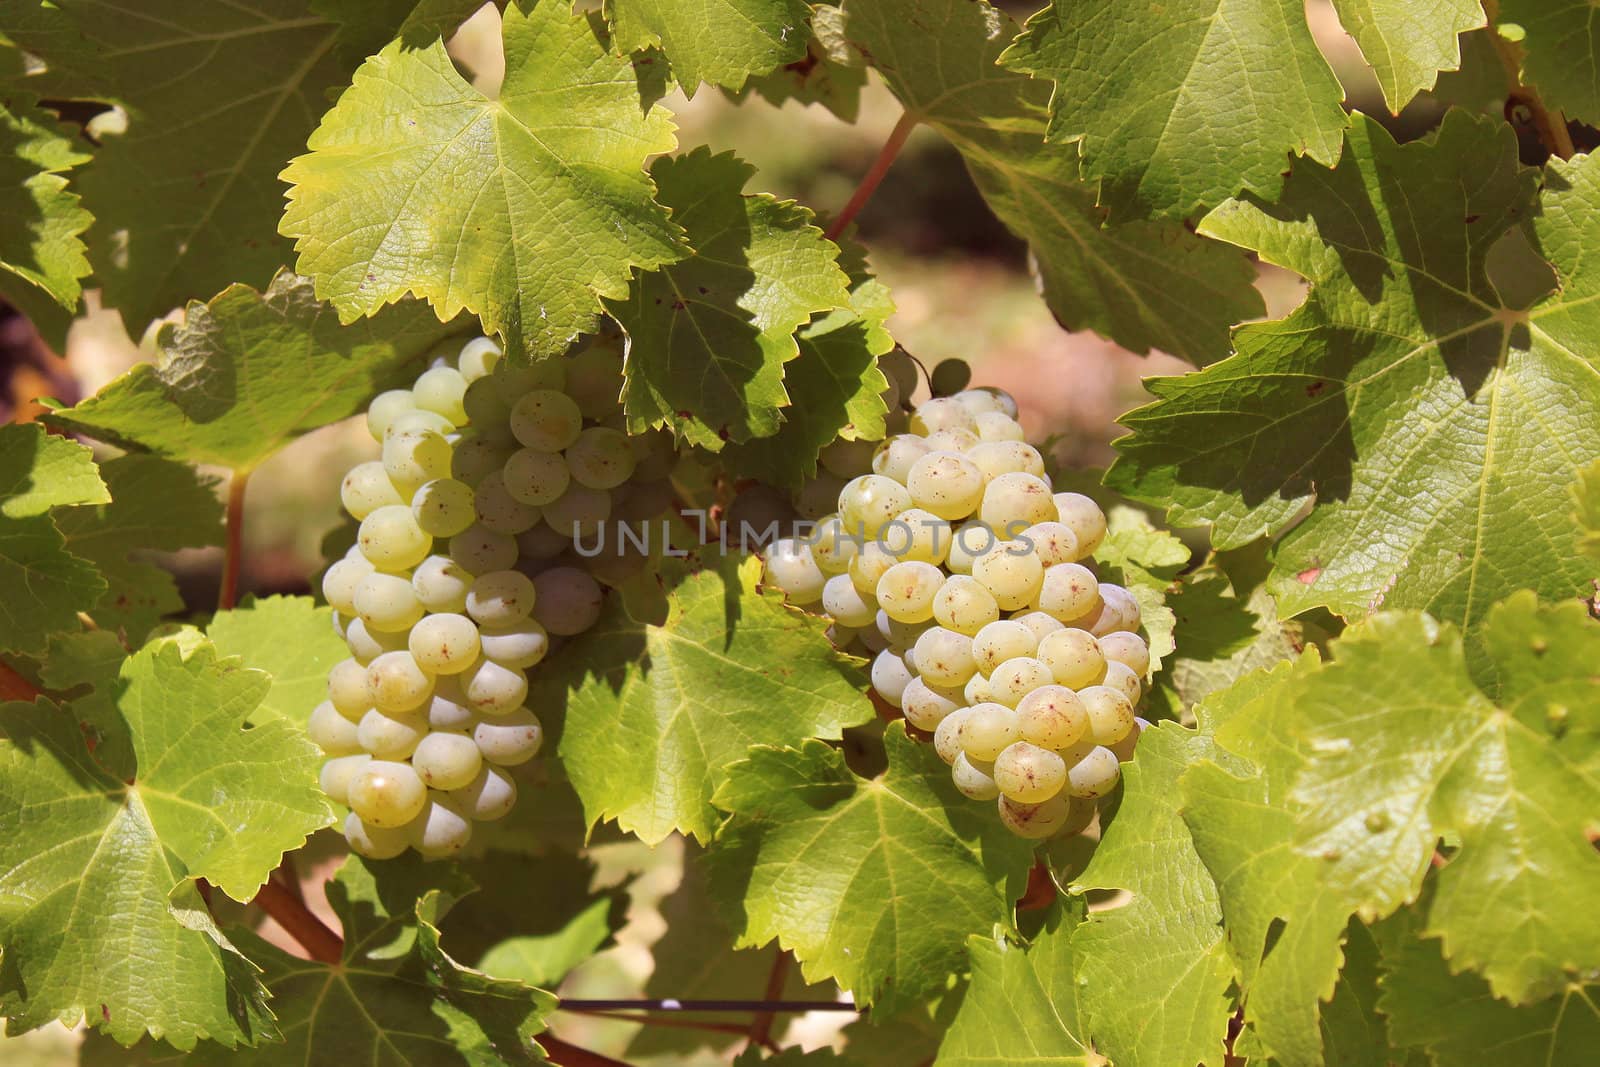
<point>462,575</point>
<point>955,564</point>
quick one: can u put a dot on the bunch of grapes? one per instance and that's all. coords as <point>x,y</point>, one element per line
<point>464,571</point>
<point>955,564</point>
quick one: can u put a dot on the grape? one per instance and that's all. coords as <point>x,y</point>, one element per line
<point>947,735</point>
<point>977,401</point>
<point>1016,678</point>
<point>446,643</point>
<point>536,478</point>
<point>949,377</point>
<point>441,390</point>
<point>995,458</point>
<point>1035,821</point>
<point>374,842</point>
<point>1013,502</point>
<point>331,731</point>
<point>492,689</point>
<point>976,691</point>
<point>347,689</point>
<point>1054,542</point>
<point>869,566</point>
<point>339,582</point>
<point>501,598</point>
<point>974,779</point>
<point>1000,641</point>
<point>336,775</point>
<point>906,591</point>
<point>447,708</point>
<point>970,540</point>
<point>951,440</point>
<point>568,601</point>
<point>965,605</point>
<point>842,600</point>
<point>926,707</point>
<point>819,496</point>
<point>411,457</point>
<point>518,645</point>
<point>441,584</point>
<point>869,636</point>
<point>498,510</point>
<point>396,682</point>
<point>1088,522</point>
<point>1068,591</point>
<point>846,459</point>
<point>1120,676</point>
<point>509,740</point>
<point>1073,656</point>
<point>833,547</point>
<point>1014,575</point>
<point>655,456</point>
<point>997,426</point>
<point>868,502</point>
<point>541,543</point>
<point>895,456</point>
<point>546,420</point>
<point>387,794</point>
<point>594,377</point>
<point>1127,649</point>
<point>476,458</point>
<point>478,357</point>
<point>1124,749</point>
<point>491,795</point>
<point>366,488</point>
<point>579,511</point>
<point>1110,714</point>
<point>901,370</point>
<point>442,829</point>
<point>391,736</point>
<point>447,760</point>
<point>890,676</point>
<point>1095,775</point>
<point>443,507</point>
<point>1003,400</point>
<point>1028,773</point>
<point>419,421</point>
<point>1041,624</point>
<point>1053,717</point>
<point>946,483</point>
<point>791,568</point>
<point>385,408</point>
<point>366,644</point>
<point>918,536</point>
<point>941,413</point>
<point>1120,611</point>
<point>391,539</point>
<point>944,657</point>
<point>481,550</point>
<point>542,373</point>
<point>987,730</point>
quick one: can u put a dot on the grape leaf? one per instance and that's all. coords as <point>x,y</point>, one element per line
<point>1145,561</point>
<point>722,42</point>
<point>1437,428</point>
<point>525,209</point>
<point>873,883</point>
<point>1560,45</point>
<point>290,638</point>
<point>656,713</point>
<point>1022,1004</point>
<point>1586,499</point>
<point>1142,284</point>
<point>39,472</point>
<point>1174,1006</point>
<point>709,336</point>
<point>251,371</point>
<point>831,73</point>
<point>42,258</point>
<point>1408,44</point>
<point>1181,107</point>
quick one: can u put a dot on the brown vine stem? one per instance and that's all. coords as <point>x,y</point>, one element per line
<point>567,1055</point>
<point>321,943</point>
<point>228,594</point>
<point>668,1021</point>
<point>1552,125</point>
<point>874,176</point>
<point>14,686</point>
<point>761,1024</point>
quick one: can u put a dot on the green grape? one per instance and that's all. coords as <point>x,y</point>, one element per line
<point>441,584</point>
<point>1120,612</point>
<point>1003,400</point>
<point>568,602</point>
<point>594,380</point>
<point>965,605</point>
<point>480,550</point>
<point>1035,821</point>
<point>891,676</point>
<point>1074,657</point>
<point>1041,624</point>
<point>397,683</point>
<point>536,478</point>
<point>1095,775</point>
<point>895,456</point>
<point>367,644</point>
<point>444,507</point>
<point>927,707</point>
<point>374,842</point>
<point>501,598</point>
<point>347,689</point>
<point>868,502</point>
<point>1028,773</point>
<point>946,483</point>
<point>386,602</point>
<point>447,708</point>
<point>974,779</point>
<point>901,371</point>
<point>1124,749</point>
<point>579,512</point>
<point>917,536</point>
<point>478,358</point>
<point>511,739</point>
<point>447,760</point>
<point>1053,717</point>
<point>476,458</point>
<point>949,377</point>
<point>1013,575</point>
<point>1054,542</point>
<point>546,421</point>
<point>387,794</point>
<point>498,510</point>
<point>411,457</point>
<point>655,455</point>
<point>445,643</point>
<point>542,373</point>
<point>339,582</point>
<point>905,591</point>
<point>944,657</point>
<point>819,496</point>
<point>954,440</point>
<point>995,458</point>
<point>1110,713</point>
<point>1069,591</point>
<point>366,488</point>
<point>385,408</point>
<point>846,459</point>
<point>941,413</point>
<point>947,734</point>
<point>391,736</point>
<point>846,603</point>
<point>391,539</point>
<point>419,421</point>
<point>440,390</point>
<point>491,689</point>
<point>542,543</point>
<point>1088,522</point>
<point>976,691</point>
<point>331,731</point>
<point>988,729</point>
<point>833,547</point>
<point>979,401</point>
<point>1016,678</point>
<point>441,830</point>
<point>898,635</point>
<point>601,458</point>
<point>998,426</point>
<point>336,775</point>
<point>518,645</point>
<point>869,566</point>
<point>1013,502</point>
<point>489,796</point>
<point>789,566</point>
<point>1000,641</point>
<point>1120,676</point>
<point>969,541</point>
<point>1127,649</point>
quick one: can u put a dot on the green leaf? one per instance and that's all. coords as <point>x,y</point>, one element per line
<point>874,883</point>
<point>39,472</point>
<point>1560,45</point>
<point>1407,44</point>
<point>1145,560</point>
<point>1173,1007</point>
<point>1437,429</point>
<point>1144,285</point>
<point>1586,499</point>
<point>525,209</point>
<point>1179,106</point>
<point>290,638</point>
<point>1022,1004</point>
<point>709,336</point>
<point>656,713</point>
<point>249,372</point>
<point>42,258</point>
<point>722,42</point>
<point>831,73</point>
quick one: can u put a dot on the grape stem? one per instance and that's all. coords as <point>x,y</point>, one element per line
<point>563,1054</point>
<point>761,1024</point>
<point>640,1019</point>
<point>320,943</point>
<point>874,176</point>
<point>670,1004</point>
<point>228,594</point>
